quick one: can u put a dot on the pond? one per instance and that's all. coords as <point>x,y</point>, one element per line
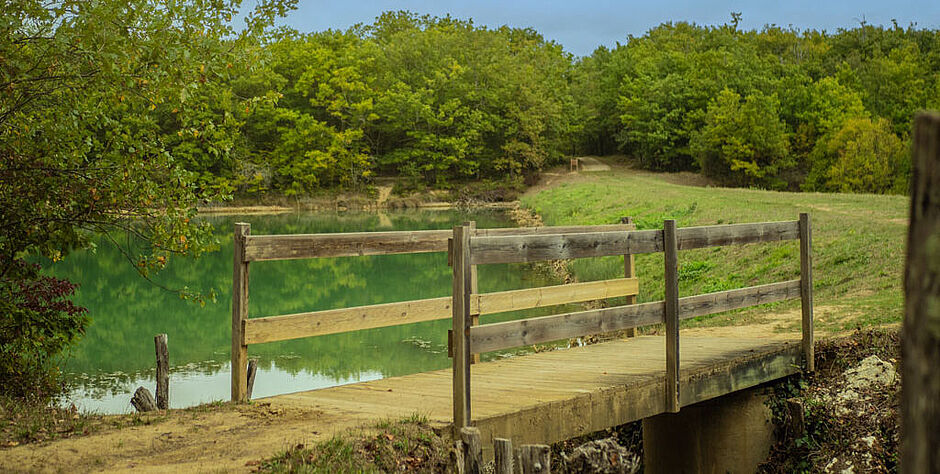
<point>117,355</point>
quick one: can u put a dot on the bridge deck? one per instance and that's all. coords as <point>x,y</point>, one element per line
<point>550,396</point>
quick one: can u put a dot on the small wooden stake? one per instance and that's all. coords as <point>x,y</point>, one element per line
<point>472,450</point>
<point>163,371</point>
<point>252,369</point>
<point>143,400</point>
<point>536,459</point>
<point>502,451</point>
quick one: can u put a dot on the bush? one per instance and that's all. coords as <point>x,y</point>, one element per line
<point>863,156</point>
<point>37,322</point>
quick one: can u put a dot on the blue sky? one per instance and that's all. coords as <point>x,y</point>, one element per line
<point>583,25</point>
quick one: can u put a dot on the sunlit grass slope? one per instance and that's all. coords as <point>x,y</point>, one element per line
<point>858,243</point>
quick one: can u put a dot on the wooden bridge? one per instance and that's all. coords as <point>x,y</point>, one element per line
<point>549,396</point>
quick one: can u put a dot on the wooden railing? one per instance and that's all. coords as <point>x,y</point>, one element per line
<point>256,248</point>
<point>471,249</point>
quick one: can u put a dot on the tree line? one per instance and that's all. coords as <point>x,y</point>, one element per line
<point>442,100</point>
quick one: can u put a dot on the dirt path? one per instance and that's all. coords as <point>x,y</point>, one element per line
<point>220,439</point>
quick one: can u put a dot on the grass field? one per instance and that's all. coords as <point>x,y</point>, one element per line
<point>858,244</point>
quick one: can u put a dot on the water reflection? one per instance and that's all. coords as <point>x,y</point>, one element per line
<point>117,353</point>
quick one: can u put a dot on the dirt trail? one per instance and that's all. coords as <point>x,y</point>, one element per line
<point>222,439</point>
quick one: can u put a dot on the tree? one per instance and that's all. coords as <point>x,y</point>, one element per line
<point>863,156</point>
<point>83,88</point>
<point>743,142</point>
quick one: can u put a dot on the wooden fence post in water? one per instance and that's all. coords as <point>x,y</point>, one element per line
<point>806,290</point>
<point>163,371</point>
<point>920,339</point>
<point>629,271</point>
<point>671,311</point>
<point>502,453</point>
<point>535,459</point>
<point>239,314</point>
<point>461,326</point>
<point>252,370</point>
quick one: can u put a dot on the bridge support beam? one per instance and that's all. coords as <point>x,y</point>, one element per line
<point>733,433</point>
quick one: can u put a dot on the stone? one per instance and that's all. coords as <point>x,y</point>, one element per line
<point>601,456</point>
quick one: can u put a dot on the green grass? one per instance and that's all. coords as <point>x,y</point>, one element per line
<point>858,243</point>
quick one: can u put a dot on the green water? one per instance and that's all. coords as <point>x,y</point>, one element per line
<point>116,356</point>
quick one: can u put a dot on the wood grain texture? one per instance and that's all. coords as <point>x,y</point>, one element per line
<point>535,459</point>
<point>294,246</point>
<point>461,327</point>
<point>489,303</point>
<point>239,314</point>
<point>472,450</point>
<point>671,314</point>
<point>806,290</point>
<point>332,321</point>
<point>252,371</point>
<point>629,271</point>
<point>163,371</point>
<point>560,246</point>
<point>492,337</point>
<point>502,456</point>
<point>718,302</point>
<point>920,339</point>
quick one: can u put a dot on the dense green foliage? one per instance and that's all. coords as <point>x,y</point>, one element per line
<point>103,105</point>
<point>437,99</point>
<point>775,108</point>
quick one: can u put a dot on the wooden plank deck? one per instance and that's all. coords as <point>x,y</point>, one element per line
<point>552,396</point>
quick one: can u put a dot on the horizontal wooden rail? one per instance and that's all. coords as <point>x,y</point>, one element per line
<point>711,303</point>
<point>523,332</point>
<point>295,246</point>
<point>498,336</point>
<point>559,246</point>
<point>489,303</point>
<point>332,321</point>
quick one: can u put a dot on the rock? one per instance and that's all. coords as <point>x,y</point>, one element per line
<point>872,371</point>
<point>601,456</point>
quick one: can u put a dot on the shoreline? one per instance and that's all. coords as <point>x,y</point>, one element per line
<point>221,210</point>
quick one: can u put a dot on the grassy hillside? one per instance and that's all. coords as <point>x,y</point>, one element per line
<point>858,243</point>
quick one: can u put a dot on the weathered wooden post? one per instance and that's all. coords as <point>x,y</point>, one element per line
<point>920,342</point>
<point>461,326</point>
<point>163,371</point>
<point>252,370</point>
<point>502,453</point>
<point>472,450</point>
<point>143,400</point>
<point>474,289</point>
<point>806,290</point>
<point>239,314</point>
<point>629,271</point>
<point>536,459</point>
<point>671,312</point>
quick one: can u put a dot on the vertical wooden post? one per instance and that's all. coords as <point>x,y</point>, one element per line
<point>671,312</point>
<point>920,339</point>
<point>474,289</point>
<point>239,314</point>
<point>252,370</point>
<point>536,459</point>
<point>629,271</point>
<point>806,290</point>
<point>472,450</point>
<point>163,371</point>
<point>461,324</point>
<point>502,453</point>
